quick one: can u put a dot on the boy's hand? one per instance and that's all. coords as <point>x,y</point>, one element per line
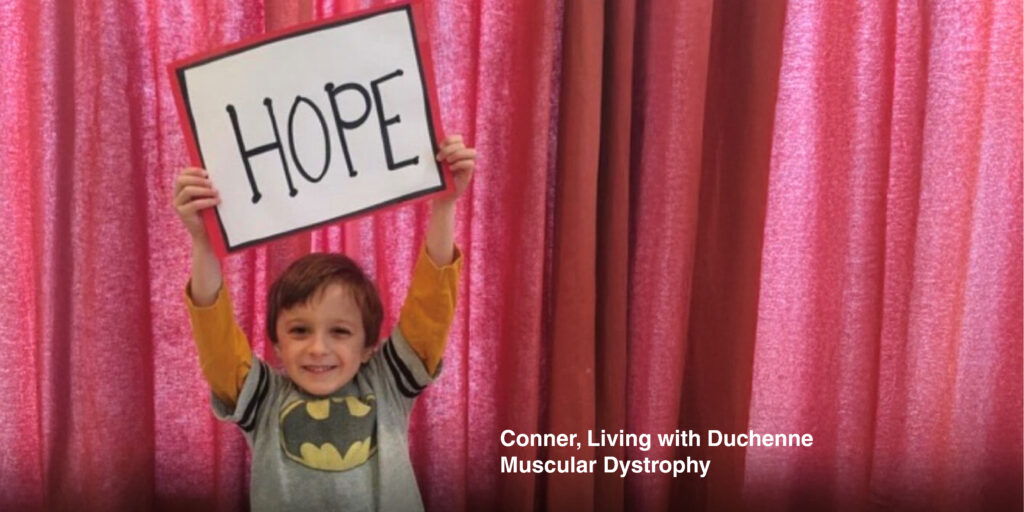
<point>461,160</point>
<point>193,192</point>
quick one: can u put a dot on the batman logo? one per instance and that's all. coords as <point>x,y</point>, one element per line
<point>330,434</point>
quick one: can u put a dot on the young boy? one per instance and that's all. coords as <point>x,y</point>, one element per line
<point>331,432</point>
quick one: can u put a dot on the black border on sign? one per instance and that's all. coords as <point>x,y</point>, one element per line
<point>329,25</point>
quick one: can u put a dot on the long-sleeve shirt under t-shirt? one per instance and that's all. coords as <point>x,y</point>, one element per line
<point>348,450</point>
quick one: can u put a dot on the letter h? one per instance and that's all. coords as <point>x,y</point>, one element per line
<point>247,154</point>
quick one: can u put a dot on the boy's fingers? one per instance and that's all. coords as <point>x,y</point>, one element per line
<point>194,171</point>
<point>462,165</point>
<point>200,204</point>
<point>445,151</point>
<point>461,154</point>
<point>185,180</point>
<point>449,148</point>
<point>191,192</point>
<point>448,151</point>
<point>452,139</point>
<point>190,176</point>
<point>197,191</point>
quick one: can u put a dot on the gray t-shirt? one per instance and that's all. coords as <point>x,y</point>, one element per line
<point>348,451</point>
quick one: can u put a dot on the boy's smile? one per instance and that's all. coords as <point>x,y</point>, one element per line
<point>322,342</point>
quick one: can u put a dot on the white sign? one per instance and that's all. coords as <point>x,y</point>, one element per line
<point>322,123</point>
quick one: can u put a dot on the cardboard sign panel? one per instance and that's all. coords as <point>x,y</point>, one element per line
<point>324,122</point>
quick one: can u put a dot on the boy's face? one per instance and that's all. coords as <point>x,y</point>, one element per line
<point>322,343</point>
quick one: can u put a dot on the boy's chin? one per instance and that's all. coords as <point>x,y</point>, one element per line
<point>319,387</point>
<point>319,390</point>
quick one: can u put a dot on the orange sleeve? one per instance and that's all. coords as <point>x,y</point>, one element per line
<point>429,307</point>
<point>224,354</point>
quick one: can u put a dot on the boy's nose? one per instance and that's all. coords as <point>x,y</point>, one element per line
<point>319,345</point>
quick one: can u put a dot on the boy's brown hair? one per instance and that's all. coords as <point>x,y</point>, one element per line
<point>310,275</point>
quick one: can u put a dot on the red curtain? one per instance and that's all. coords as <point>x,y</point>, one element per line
<point>891,271</point>
<point>773,216</point>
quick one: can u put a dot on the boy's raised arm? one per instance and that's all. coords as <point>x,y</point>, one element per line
<point>205,280</point>
<point>430,305</point>
<point>224,354</point>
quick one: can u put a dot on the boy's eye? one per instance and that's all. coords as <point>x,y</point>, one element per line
<point>298,330</point>
<point>341,331</point>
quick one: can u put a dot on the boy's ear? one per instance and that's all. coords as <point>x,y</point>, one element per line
<point>277,349</point>
<point>367,354</point>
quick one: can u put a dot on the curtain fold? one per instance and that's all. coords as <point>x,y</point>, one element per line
<point>739,108</point>
<point>571,387</point>
<point>612,251</point>
<point>670,77</point>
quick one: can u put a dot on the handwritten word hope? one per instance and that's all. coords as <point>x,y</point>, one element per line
<point>249,150</point>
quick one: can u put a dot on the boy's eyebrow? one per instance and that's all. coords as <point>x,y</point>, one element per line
<point>304,320</point>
